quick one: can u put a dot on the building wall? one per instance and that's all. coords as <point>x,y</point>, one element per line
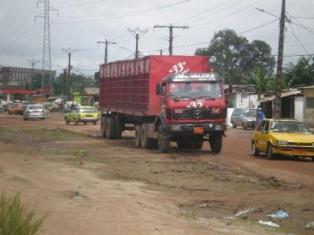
<point>244,100</point>
<point>309,106</point>
<point>299,108</point>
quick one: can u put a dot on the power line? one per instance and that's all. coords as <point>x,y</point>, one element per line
<point>259,26</point>
<point>171,27</point>
<point>128,14</point>
<point>227,15</point>
<point>106,43</point>
<point>137,33</point>
<point>297,39</point>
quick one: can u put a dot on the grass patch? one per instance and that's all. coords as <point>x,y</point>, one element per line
<point>37,135</point>
<point>16,219</point>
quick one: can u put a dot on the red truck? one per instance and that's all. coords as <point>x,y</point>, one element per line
<point>164,99</point>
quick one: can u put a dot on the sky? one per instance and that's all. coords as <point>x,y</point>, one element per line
<point>77,25</point>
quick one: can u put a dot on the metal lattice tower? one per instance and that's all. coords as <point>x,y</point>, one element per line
<point>46,51</point>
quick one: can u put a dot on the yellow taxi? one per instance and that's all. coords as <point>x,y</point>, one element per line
<point>84,114</point>
<point>286,137</point>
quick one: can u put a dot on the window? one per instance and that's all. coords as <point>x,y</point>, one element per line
<point>310,102</point>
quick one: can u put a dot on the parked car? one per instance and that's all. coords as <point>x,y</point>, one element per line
<point>16,108</point>
<point>84,114</point>
<point>1,108</point>
<point>243,117</point>
<point>283,137</point>
<point>35,111</point>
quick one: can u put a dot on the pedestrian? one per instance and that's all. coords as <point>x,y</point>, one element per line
<point>260,115</point>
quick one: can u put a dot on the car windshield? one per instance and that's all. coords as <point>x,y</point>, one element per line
<point>195,90</point>
<point>250,112</point>
<point>286,126</point>
<point>35,107</point>
<point>88,110</point>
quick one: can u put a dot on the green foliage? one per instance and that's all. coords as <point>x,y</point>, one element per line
<point>235,57</point>
<point>301,74</point>
<point>63,84</point>
<point>262,81</point>
<point>15,219</point>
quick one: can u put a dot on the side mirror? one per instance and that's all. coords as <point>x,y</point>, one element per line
<point>159,89</point>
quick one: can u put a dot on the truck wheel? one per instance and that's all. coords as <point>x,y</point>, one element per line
<point>137,141</point>
<point>197,143</point>
<point>103,127</point>
<point>118,128</point>
<point>110,128</point>
<point>215,143</point>
<point>183,143</point>
<point>163,141</point>
<point>146,142</point>
<point>269,151</point>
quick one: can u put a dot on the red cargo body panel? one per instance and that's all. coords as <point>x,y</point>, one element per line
<point>129,87</point>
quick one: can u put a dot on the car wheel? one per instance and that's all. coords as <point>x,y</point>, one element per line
<point>269,151</point>
<point>95,122</point>
<point>234,125</point>
<point>67,121</point>
<point>85,123</point>
<point>244,125</point>
<point>254,150</point>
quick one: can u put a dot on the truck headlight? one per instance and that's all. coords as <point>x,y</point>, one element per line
<point>215,110</point>
<point>282,142</point>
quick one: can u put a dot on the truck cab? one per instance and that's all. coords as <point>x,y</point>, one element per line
<point>193,109</point>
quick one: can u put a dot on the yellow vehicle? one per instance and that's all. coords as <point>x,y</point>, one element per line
<point>84,114</point>
<point>283,137</point>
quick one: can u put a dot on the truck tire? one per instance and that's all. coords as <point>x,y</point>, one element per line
<point>163,141</point>
<point>137,141</point>
<point>110,128</point>
<point>197,142</point>
<point>146,142</point>
<point>103,127</point>
<point>215,143</point>
<point>118,128</point>
<point>183,143</point>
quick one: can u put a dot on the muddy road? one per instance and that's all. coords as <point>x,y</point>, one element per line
<point>83,184</point>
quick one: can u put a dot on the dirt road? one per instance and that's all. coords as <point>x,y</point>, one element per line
<point>88,185</point>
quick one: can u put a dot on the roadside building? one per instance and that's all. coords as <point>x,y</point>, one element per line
<point>24,81</point>
<point>297,103</point>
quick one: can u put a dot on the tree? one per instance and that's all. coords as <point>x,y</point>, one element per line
<point>301,74</point>
<point>235,58</point>
<point>77,82</point>
<point>262,81</point>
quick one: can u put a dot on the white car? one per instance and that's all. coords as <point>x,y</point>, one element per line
<point>35,111</point>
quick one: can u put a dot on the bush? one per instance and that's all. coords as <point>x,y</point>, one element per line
<point>15,219</point>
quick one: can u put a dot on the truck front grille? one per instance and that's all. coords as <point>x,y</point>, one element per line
<point>195,114</point>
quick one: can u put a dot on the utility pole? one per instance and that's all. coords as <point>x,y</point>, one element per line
<point>280,60</point>
<point>69,52</point>
<point>46,51</point>
<point>137,33</point>
<point>171,27</point>
<point>33,62</point>
<point>106,43</point>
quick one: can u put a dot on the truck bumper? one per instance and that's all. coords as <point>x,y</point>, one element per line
<point>194,129</point>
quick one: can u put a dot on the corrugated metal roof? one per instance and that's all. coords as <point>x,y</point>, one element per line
<point>287,93</point>
<point>91,91</point>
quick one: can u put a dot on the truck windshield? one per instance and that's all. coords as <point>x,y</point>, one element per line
<point>193,90</point>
